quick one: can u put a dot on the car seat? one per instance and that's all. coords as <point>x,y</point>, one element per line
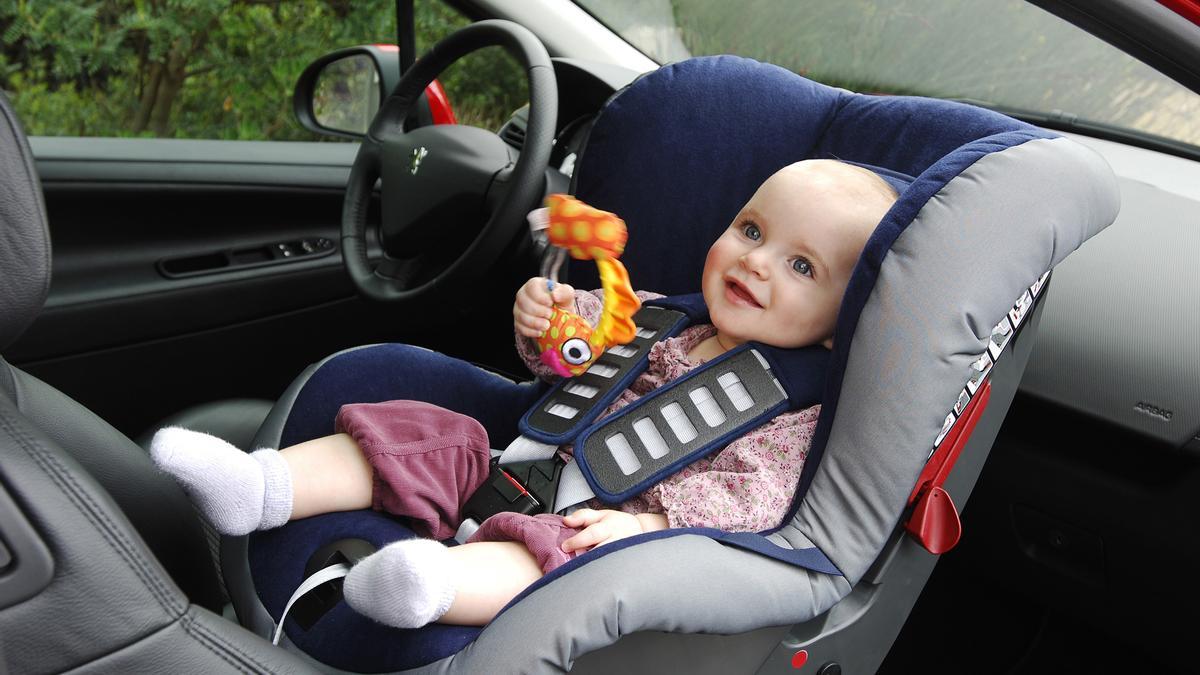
<point>988,205</point>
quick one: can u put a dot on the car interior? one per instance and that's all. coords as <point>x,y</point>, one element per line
<point>183,282</point>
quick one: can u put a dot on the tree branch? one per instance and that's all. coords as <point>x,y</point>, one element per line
<point>199,71</point>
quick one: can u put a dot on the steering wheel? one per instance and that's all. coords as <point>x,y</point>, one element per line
<point>439,182</point>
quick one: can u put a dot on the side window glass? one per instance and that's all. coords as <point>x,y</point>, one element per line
<point>211,69</point>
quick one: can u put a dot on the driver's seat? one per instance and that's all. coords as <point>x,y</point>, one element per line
<point>103,564</point>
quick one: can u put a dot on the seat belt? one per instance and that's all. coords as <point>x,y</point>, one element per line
<point>528,475</point>
<point>310,584</point>
<point>675,425</point>
<point>572,405</point>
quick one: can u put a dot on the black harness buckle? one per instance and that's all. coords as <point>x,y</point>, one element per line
<point>520,487</point>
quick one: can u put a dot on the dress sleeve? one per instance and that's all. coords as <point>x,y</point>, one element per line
<point>588,304</point>
<point>749,485</point>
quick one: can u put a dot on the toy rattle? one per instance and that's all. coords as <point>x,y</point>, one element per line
<point>572,227</point>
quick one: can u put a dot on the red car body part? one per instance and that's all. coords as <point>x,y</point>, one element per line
<point>1188,9</point>
<point>934,521</point>
<point>439,104</point>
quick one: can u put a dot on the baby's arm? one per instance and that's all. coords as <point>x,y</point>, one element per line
<point>606,526</point>
<point>588,304</point>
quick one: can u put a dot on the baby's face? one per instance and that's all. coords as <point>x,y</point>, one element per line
<point>778,274</point>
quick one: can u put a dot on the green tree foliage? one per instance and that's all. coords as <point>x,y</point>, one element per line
<point>207,68</point>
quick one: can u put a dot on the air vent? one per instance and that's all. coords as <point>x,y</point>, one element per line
<point>513,134</point>
<point>513,131</point>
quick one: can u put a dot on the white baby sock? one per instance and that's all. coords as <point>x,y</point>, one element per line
<point>406,584</point>
<point>237,492</point>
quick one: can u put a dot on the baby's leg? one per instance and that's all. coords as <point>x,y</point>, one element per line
<point>239,492</point>
<point>328,474</point>
<point>405,457</point>
<point>413,582</point>
<point>488,575</point>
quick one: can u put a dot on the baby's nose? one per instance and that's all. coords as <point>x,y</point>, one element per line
<point>754,263</point>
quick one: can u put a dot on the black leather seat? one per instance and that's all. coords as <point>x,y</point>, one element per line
<point>235,420</point>
<point>103,563</point>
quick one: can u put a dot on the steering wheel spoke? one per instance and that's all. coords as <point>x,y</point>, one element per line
<point>400,270</point>
<point>447,185</point>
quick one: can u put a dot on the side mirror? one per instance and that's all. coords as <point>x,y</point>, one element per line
<point>339,93</point>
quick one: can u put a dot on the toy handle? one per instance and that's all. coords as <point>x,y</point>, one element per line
<point>552,256</point>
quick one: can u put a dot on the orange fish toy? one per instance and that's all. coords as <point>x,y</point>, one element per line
<point>571,345</point>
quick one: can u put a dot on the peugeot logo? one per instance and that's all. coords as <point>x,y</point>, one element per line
<point>414,164</point>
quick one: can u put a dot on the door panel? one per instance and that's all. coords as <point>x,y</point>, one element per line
<point>170,286</point>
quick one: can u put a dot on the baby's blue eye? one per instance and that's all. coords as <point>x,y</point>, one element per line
<point>802,266</point>
<point>751,231</point>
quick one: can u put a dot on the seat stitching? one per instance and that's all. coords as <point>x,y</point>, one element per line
<point>116,651</point>
<point>188,623</point>
<point>191,624</point>
<point>66,482</point>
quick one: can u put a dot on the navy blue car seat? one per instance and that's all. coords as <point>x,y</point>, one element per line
<point>929,344</point>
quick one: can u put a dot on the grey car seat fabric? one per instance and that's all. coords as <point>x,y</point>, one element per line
<point>993,206</point>
<point>79,588</point>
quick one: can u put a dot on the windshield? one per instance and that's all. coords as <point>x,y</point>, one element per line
<point>1009,55</point>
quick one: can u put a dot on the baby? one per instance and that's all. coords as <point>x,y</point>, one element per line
<point>776,276</point>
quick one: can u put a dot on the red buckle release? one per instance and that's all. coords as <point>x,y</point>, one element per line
<point>934,521</point>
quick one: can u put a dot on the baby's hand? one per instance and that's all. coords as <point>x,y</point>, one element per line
<point>600,527</point>
<point>531,311</point>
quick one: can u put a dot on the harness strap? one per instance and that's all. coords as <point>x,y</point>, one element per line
<point>675,425</point>
<point>657,435</point>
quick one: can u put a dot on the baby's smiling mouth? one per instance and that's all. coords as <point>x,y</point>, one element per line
<point>739,294</point>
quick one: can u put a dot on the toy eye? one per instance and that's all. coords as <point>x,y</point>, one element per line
<point>576,351</point>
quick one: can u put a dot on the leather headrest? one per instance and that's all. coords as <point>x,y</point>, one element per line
<point>24,237</point>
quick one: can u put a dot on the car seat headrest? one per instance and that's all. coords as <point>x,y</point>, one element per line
<point>24,238</point>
